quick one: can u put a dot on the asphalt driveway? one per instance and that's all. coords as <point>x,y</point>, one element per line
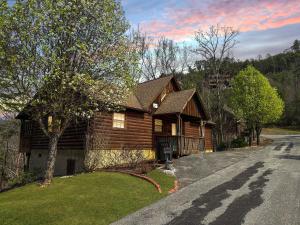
<point>256,187</point>
<point>190,169</point>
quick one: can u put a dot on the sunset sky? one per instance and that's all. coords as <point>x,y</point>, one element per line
<point>265,26</point>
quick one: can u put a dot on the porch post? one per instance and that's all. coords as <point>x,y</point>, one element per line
<point>202,127</point>
<point>179,133</point>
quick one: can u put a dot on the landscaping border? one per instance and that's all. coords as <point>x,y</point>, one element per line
<point>148,179</point>
<point>175,188</point>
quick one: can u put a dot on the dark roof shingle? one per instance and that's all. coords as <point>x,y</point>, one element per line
<point>133,102</point>
<point>147,92</point>
<point>175,102</point>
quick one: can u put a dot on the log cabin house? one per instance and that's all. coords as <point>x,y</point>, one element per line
<point>156,114</point>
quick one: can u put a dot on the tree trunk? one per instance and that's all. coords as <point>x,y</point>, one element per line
<point>250,139</point>
<point>2,174</point>
<point>250,136</point>
<point>53,140</point>
<point>258,131</point>
<point>220,117</point>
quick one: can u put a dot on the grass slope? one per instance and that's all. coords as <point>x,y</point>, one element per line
<point>96,198</point>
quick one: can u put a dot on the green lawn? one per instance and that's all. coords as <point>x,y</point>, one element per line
<point>282,131</point>
<point>96,198</point>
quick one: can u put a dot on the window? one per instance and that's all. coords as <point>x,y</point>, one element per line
<point>49,124</point>
<point>174,129</point>
<point>158,125</point>
<point>119,120</point>
<point>52,124</point>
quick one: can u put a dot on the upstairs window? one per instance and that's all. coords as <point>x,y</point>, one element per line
<point>158,125</point>
<point>119,120</point>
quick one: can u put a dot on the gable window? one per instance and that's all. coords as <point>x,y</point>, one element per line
<point>158,125</point>
<point>174,129</point>
<point>119,120</point>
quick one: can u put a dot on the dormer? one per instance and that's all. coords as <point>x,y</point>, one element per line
<point>170,87</point>
<point>152,93</point>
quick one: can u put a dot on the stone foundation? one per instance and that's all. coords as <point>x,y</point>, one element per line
<point>97,159</point>
<point>38,161</point>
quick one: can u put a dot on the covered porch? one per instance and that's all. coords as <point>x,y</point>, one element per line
<point>178,124</point>
<point>183,134</point>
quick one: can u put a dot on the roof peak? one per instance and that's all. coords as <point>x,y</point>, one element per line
<point>164,77</point>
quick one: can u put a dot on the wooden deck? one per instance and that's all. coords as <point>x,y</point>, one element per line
<point>181,145</point>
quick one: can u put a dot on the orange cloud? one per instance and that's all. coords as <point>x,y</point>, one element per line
<point>180,23</point>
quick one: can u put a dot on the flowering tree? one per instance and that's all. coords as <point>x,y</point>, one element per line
<point>254,100</point>
<point>63,60</point>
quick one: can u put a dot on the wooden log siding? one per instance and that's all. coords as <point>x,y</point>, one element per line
<point>208,138</point>
<point>191,109</point>
<point>192,129</point>
<point>72,139</point>
<point>190,145</point>
<point>25,136</point>
<point>137,133</point>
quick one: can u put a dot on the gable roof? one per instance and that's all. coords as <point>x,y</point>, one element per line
<point>148,91</point>
<point>175,102</point>
<point>133,102</point>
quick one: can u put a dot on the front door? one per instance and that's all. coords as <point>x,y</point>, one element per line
<point>70,166</point>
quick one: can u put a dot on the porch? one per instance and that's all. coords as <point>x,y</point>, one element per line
<point>183,134</point>
<point>180,145</point>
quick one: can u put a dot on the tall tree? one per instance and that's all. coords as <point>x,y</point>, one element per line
<point>296,46</point>
<point>63,60</point>
<point>214,46</point>
<point>254,100</point>
<point>161,56</point>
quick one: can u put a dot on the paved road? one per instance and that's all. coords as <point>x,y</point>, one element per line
<point>262,189</point>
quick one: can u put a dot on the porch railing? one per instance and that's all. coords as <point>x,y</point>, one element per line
<point>181,145</point>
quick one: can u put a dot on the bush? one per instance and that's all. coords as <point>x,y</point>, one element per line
<point>222,146</point>
<point>239,143</point>
<point>26,177</point>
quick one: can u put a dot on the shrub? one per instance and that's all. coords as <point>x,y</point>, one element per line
<point>238,143</point>
<point>222,146</point>
<point>26,177</point>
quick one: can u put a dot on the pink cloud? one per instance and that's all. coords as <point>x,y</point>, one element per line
<point>180,23</point>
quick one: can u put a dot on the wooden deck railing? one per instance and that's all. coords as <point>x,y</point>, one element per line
<point>181,145</point>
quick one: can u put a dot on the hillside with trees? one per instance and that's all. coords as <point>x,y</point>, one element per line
<point>282,70</point>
